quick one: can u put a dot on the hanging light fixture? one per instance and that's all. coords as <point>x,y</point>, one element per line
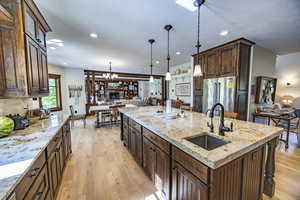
<point>198,68</point>
<point>168,74</point>
<point>151,41</point>
<point>110,75</point>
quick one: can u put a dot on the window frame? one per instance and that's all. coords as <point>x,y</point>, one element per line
<point>57,77</point>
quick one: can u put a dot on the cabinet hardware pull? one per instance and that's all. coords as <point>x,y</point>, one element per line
<point>33,172</point>
<point>37,194</point>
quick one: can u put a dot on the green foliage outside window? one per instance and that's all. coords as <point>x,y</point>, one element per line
<point>51,101</point>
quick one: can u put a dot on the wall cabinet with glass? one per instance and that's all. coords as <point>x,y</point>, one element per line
<point>24,54</point>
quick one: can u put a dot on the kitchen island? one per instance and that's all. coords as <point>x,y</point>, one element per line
<point>32,160</point>
<point>242,168</point>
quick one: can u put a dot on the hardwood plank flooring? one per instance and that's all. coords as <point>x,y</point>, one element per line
<point>100,168</point>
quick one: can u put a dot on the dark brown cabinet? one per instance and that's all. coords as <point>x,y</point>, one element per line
<point>211,64</point>
<point>12,80</point>
<point>33,69</point>
<point>230,59</point>
<point>186,186</point>
<point>157,166</point>
<point>23,52</point>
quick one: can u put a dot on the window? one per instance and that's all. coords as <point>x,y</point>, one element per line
<point>53,101</point>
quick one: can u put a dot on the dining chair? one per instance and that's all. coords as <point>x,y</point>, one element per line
<point>294,126</point>
<point>75,117</point>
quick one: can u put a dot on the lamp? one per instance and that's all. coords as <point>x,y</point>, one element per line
<point>168,75</point>
<point>287,101</point>
<point>198,68</point>
<point>151,41</point>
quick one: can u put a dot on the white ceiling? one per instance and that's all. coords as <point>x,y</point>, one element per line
<point>124,28</point>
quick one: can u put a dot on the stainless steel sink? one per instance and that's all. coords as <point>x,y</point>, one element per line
<point>207,142</point>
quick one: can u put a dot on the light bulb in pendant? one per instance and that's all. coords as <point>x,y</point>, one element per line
<point>198,70</point>
<point>151,80</point>
<point>168,76</point>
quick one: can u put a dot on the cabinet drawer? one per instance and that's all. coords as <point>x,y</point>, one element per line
<point>53,143</point>
<point>30,176</point>
<point>161,143</point>
<point>194,166</point>
<point>40,189</point>
<point>134,125</point>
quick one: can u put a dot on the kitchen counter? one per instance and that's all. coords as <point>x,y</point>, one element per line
<point>20,149</point>
<point>246,136</point>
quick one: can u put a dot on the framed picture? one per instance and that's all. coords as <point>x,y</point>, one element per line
<point>183,89</point>
<point>265,90</point>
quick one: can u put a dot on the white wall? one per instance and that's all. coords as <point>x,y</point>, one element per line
<point>288,70</point>
<point>262,64</point>
<point>181,74</point>
<point>70,76</point>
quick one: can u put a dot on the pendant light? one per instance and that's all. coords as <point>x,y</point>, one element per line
<point>198,68</point>
<point>110,75</point>
<point>151,41</point>
<point>168,74</point>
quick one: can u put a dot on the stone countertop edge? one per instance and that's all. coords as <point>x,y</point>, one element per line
<point>8,192</point>
<point>198,156</point>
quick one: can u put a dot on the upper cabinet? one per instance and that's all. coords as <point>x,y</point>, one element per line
<point>223,60</point>
<point>23,51</point>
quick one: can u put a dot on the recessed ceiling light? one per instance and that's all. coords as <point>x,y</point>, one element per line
<point>187,4</point>
<point>65,63</point>
<point>93,35</point>
<point>53,48</point>
<point>223,33</point>
<point>178,53</point>
<point>157,62</point>
<point>60,44</point>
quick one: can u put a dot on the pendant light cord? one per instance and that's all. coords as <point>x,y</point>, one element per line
<point>168,57</point>
<point>198,41</point>
<point>151,65</point>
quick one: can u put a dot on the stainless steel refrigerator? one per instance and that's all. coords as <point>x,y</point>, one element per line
<point>219,90</point>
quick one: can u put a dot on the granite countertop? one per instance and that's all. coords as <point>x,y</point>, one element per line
<point>246,136</point>
<point>19,150</point>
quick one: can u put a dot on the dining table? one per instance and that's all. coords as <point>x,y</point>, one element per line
<point>101,110</point>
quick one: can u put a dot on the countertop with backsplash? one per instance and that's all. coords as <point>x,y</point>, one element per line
<point>19,150</point>
<point>246,136</point>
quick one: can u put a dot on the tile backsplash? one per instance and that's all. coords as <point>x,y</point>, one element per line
<point>16,106</point>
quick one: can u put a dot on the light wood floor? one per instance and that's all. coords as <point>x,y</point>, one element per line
<point>100,168</point>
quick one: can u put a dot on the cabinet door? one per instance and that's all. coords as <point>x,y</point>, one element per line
<point>43,73</point>
<point>30,22</point>
<point>139,148</point>
<point>53,164</point>
<point>162,173</point>
<point>33,70</point>
<point>186,186</point>
<point>228,60</point>
<point>132,143</point>
<point>40,189</point>
<point>212,64</point>
<point>12,81</point>
<point>148,158</point>
<point>41,37</point>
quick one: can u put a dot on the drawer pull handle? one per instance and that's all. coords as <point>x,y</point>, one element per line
<point>33,172</point>
<point>37,195</point>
